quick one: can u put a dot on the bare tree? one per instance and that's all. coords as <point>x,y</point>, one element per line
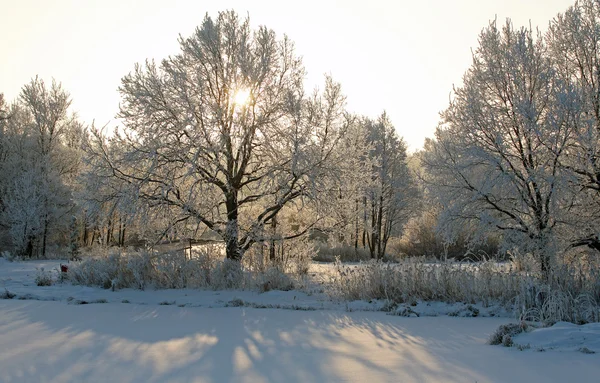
<point>224,127</point>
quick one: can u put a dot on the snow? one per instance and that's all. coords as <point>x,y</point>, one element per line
<point>19,279</point>
<point>54,342</point>
<point>235,336</point>
<point>562,336</point>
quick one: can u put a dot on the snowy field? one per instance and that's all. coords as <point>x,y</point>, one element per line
<point>47,334</point>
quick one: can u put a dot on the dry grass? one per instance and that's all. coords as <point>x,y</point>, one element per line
<point>326,253</point>
<point>572,294</point>
<point>117,269</point>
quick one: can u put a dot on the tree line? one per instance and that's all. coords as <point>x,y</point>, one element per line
<point>223,136</point>
<point>192,155</point>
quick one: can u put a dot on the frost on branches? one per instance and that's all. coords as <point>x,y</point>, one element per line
<point>222,133</point>
<point>495,162</point>
<point>39,160</point>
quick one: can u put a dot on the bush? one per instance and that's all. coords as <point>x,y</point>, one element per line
<point>11,257</point>
<point>227,274</point>
<point>547,306</point>
<point>421,239</point>
<point>7,295</point>
<point>274,279</point>
<point>43,278</point>
<point>504,334</point>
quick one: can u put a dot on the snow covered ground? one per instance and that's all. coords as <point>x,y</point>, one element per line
<point>563,336</point>
<point>192,336</point>
<point>19,279</point>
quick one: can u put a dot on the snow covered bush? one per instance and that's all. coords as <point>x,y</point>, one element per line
<point>137,269</point>
<point>97,270</point>
<point>9,256</point>
<point>551,306</point>
<point>7,294</point>
<point>504,334</point>
<point>297,257</point>
<point>43,278</point>
<point>227,274</point>
<point>274,279</point>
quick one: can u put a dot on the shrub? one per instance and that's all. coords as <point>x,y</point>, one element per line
<point>421,238</point>
<point>274,279</point>
<point>504,334</point>
<point>227,274</point>
<point>43,278</point>
<point>7,295</point>
<point>11,257</point>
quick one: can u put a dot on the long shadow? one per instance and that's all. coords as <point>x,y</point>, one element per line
<point>52,341</point>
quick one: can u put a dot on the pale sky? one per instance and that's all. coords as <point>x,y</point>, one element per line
<point>399,56</point>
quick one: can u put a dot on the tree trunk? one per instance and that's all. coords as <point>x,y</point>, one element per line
<point>109,231</point>
<point>272,247</point>
<point>364,233</point>
<point>231,234</point>
<point>379,228</point>
<point>45,237</point>
<point>122,236</point>
<point>232,246</point>
<point>373,238</point>
<point>29,247</point>
<point>85,232</point>
<point>356,230</point>
<point>545,266</point>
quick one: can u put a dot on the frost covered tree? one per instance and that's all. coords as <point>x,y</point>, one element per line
<point>222,133</point>
<point>50,121</point>
<point>391,195</point>
<point>574,39</point>
<point>376,192</point>
<point>39,167</point>
<point>4,116</point>
<point>341,205</point>
<point>495,162</point>
<point>24,211</point>
<point>107,212</point>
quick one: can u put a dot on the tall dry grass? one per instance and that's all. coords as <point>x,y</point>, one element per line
<point>141,269</point>
<point>571,294</point>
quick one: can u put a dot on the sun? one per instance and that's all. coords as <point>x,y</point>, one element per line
<point>241,96</point>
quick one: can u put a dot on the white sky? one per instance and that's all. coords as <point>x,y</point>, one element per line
<point>400,56</point>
